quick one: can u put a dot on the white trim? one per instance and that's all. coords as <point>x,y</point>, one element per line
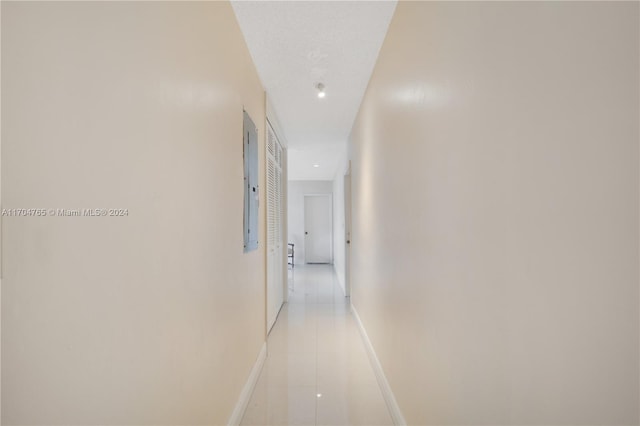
<point>387,393</point>
<point>247,390</point>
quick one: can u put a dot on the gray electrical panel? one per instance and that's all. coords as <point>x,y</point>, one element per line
<point>251,194</point>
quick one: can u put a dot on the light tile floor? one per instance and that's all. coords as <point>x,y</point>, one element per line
<point>317,371</point>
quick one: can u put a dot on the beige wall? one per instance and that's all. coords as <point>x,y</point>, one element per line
<point>495,247</point>
<point>153,318</point>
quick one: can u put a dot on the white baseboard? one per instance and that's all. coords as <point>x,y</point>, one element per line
<point>387,393</point>
<point>247,390</point>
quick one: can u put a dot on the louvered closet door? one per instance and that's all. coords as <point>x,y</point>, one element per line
<point>275,259</point>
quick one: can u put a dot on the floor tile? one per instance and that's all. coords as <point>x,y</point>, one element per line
<point>352,405</point>
<point>317,370</point>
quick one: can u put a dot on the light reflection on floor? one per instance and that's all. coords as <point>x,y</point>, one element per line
<point>317,371</point>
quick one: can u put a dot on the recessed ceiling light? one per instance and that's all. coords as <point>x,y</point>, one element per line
<point>316,165</point>
<point>319,395</point>
<point>321,92</point>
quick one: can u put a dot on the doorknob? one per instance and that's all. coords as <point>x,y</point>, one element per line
<point>306,233</point>
<point>348,241</point>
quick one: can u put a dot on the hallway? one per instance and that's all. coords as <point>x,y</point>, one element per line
<point>317,371</point>
<point>471,170</point>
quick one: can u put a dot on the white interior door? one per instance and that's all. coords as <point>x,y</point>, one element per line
<point>318,228</point>
<point>347,234</point>
<point>275,252</point>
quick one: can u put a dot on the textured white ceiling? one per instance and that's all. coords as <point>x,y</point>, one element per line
<point>295,45</point>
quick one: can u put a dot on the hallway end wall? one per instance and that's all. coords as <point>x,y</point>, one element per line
<point>495,217</point>
<point>297,189</point>
<point>157,316</point>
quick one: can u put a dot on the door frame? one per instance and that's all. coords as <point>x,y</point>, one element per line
<point>348,235</point>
